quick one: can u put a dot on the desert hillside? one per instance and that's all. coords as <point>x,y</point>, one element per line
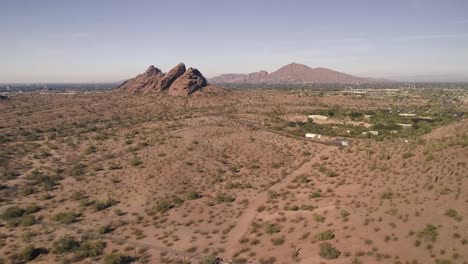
<point>115,177</point>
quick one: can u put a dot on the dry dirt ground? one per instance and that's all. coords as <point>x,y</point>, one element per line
<point>158,179</point>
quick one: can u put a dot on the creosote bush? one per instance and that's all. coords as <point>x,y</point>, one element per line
<point>66,217</point>
<point>429,233</point>
<point>327,251</point>
<point>325,235</point>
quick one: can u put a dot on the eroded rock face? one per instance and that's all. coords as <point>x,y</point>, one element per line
<point>165,81</point>
<point>178,81</point>
<point>191,81</point>
<point>146,80</point>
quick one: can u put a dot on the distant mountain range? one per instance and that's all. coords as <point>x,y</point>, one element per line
<point>294,73</point>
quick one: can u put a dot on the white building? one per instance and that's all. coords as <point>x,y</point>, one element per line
<point>313,136</point>
<point>407,115</point>
<point>318,117</point>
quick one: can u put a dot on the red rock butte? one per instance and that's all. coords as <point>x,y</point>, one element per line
<point>178,81</point>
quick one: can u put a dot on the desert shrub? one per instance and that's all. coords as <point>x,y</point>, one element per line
<point>271,228</point>
<point>91,248</point>
<point>119,212</point>
<point>209,260</point>
<point>193,195</point>
<point>344,213</point>
<point>453,214</point>
<point>27,190</point>
<point>65,244</point>
<point>116,258</point>
<point>407,155</point>
<point>77,170</point>
<point>331,173</point>
<point>28,220</point>
<point>386,195</point>
<point>101,205</point>
<point>136,162</point>
<point>327,251</point>
<point>163,206</point>
<point>31,209</point>
<point>325,235</point>
<point>114,166</point>
<point>276,165</point>
<point>278,241</point>
<point>319,218</point>
<point>272,194</point>
<point>224,198</point>
<point>270,260</point>
<point>315,194</point>
<point>302,179</point>
<point>16,215</point>
<point>291,208</point>
<point>28,253</point>
<point>12,212</point>
<point>77,195</point>
<point>104,229</point>
<point>65,217</point>
<point>429,233</point>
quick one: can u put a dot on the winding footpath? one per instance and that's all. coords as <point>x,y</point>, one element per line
<point>248,216</point>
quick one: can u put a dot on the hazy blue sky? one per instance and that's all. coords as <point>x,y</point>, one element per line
<point>104,40</point>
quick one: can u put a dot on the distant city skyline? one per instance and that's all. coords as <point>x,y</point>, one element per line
<point>110,41</point>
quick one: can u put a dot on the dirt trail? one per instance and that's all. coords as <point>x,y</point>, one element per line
<point>245,220</point>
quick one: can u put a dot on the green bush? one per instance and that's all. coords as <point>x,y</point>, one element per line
<point>16,215</point>
<point>101,205</point>
<point>315,194</point>
<point>407,155</point>
<point>271,228</point>
<point>327,251</point>
<point>163,206</point>
<point>136,162</point>
<point>319,218</point>
<point>115,258</point>
<point>77,195</point>
<point>209,260</point>
<point>386,195</point>
<point>65,217</point>
<point>453,214</point>
<point>12,212</point>
<point>28,220</point>
<point>325,235</point>
<point>193,195</point>
<point>65,244</point>
<point>77,170</point>
<point>278,241</point>
<point>429,233</point>
<point>28,253</point>
<point>91,248</point>
<point>224,198</point>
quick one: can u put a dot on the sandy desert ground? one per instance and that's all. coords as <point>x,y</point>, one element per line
<point>118,178</point>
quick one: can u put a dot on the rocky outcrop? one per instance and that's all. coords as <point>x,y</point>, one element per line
<point>178,81</point>
<point>191,81</point>
<point>147,80</point>
<point>166,81</point>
